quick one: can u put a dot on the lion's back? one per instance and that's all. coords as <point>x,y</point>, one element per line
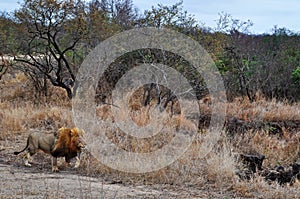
<point>43,141</point>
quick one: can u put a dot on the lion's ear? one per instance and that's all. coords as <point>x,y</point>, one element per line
<point>60,131</point>
<point>72,132</point>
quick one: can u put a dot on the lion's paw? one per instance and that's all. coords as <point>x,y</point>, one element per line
<point>27,164</point>
<point>55,169</point>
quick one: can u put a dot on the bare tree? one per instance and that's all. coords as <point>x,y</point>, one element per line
<point>53,30</point>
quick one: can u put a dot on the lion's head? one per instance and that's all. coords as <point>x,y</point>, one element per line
<point>77,139</point>
<point>71,139</point>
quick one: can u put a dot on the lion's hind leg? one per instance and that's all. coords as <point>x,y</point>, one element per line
<point>27,158</point>
<point>28,155</point>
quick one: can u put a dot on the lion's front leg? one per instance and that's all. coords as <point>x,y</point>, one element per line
<point>77,164</point>
<point>54,165</point>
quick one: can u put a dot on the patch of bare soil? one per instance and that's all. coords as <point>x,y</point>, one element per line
<point>27,183</point>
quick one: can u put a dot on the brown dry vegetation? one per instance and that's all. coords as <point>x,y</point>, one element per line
<point>21,113</point>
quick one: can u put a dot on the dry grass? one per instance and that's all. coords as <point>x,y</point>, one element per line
<point>20,112</point>
<point>278,150</point>
<point>262,109</point>
<point>217,169</point>
<point>257,187</point>
<point>18,120</point>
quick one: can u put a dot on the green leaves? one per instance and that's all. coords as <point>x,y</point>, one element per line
<point>296,75</point>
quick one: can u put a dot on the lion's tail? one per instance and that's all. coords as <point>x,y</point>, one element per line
<point>18,152</point>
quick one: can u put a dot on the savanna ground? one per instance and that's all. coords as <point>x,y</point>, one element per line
<point>191,176</point>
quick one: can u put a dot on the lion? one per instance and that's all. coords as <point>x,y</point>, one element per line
<point>67,142</point>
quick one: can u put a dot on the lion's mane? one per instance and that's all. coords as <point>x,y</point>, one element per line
<point>69,142</point>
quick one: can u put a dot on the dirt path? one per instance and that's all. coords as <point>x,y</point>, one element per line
<point>18,182</point>
<point>25,183</point>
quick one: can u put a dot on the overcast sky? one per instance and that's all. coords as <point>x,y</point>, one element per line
<point>263,13</point>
